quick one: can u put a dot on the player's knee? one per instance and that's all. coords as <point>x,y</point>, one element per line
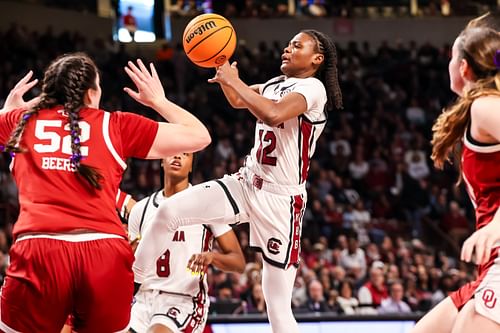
<point>157,328</point>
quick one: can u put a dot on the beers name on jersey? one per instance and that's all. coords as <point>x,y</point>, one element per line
<point>57,163</point>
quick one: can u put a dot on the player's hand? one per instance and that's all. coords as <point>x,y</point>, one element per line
<point>199,262</point>
<point>134,243</point>
<point>480,243</point>
<point>150,90</point>
<point>15,98</point>
<point>225,73</point>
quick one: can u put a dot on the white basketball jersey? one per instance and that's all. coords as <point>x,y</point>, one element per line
<point>170,272</point>
<point>282,154</point>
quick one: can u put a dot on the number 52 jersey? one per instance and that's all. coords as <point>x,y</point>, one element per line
<point>54,198</point>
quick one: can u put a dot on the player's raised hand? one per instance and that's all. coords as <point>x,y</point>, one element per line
<point>225,73</point>
<point>480,243</point>
<point>199,262</point>
<point>15,98</point>
<point>149,88</point>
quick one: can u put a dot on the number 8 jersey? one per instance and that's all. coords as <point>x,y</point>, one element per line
<point>281,154</point>
<point>53,197</point>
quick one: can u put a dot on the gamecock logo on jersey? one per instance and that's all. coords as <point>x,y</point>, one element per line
<point>489,298</point>
<point>173,312</point>
<point>273,245</point>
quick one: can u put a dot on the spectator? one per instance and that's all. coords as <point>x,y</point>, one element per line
<point>414,113</point>
<point>371,294</point>
<point>348,303</point>
<point>353,258</point>
<point>455,224</point>
<point>129,22</point>
<point>395,303</point>
<point>255,302</point>
<point>316,299</point>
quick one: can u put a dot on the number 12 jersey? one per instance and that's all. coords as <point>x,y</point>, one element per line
<point>282,154</point>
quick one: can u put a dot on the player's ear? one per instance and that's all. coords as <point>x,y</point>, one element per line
<point>91,98</point>
<point>318,59</point>
<point>466,70</point>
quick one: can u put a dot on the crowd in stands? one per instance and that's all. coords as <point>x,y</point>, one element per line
<point>283,8</point>
<point>382,229</point>
<point>329,8</point>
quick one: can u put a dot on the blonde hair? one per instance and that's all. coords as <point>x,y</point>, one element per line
<point>477,45</point>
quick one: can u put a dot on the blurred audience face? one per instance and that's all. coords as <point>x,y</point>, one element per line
<point>316,291</point>
<point>257,293</point>
<point>377,277</point>
<point>352,245</point>
<point>224,293</point>
<point>346,290</point>
<point>397,292</point>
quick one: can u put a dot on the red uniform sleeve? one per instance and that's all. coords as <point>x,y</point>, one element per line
<point>136,133</point>
<point>8,121</point>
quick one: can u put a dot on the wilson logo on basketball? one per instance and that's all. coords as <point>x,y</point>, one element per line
<point>273,245</point>
<point>489,298</point>
<point>200,30</point>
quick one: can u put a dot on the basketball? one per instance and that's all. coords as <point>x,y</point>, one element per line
<point>209,40</point>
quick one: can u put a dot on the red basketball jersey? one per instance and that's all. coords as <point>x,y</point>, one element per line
<point>53,197</point>
<point>481,173</point>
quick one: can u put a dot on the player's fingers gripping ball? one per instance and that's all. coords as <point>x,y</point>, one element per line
<point>209,40</point>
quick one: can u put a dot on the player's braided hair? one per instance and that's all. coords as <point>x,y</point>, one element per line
<point>479,47</point>
<point>327,72</point>
<point>65,82</point>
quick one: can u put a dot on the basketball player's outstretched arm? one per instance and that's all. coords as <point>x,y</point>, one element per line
<point>270,112</point>
<point>230,260</point>
<point>183,133</point>
<point>15,98</point>
<point>486,121</point>
<point>231,94</point>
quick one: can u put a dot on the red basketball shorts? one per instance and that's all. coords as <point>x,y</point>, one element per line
<point>49,279</point>
<point>485,289</point>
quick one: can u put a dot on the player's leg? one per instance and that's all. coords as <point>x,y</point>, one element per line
<point>103,302</point>
<point>66,329</point>
<point>213,202</point>
<point>36,294</point>
<point>176,314</point>
<point>141,311</point>
<point>68,326</point>
<point>275,231</point>
<point>469,320</point>
<point>158,328</point>
<point>277,285</point>
<point>481,313</point>
<point>439,320</point>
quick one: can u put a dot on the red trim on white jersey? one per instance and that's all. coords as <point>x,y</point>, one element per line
<point>297,213</point>
<point>306,129</point>
<point>207,240</point>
